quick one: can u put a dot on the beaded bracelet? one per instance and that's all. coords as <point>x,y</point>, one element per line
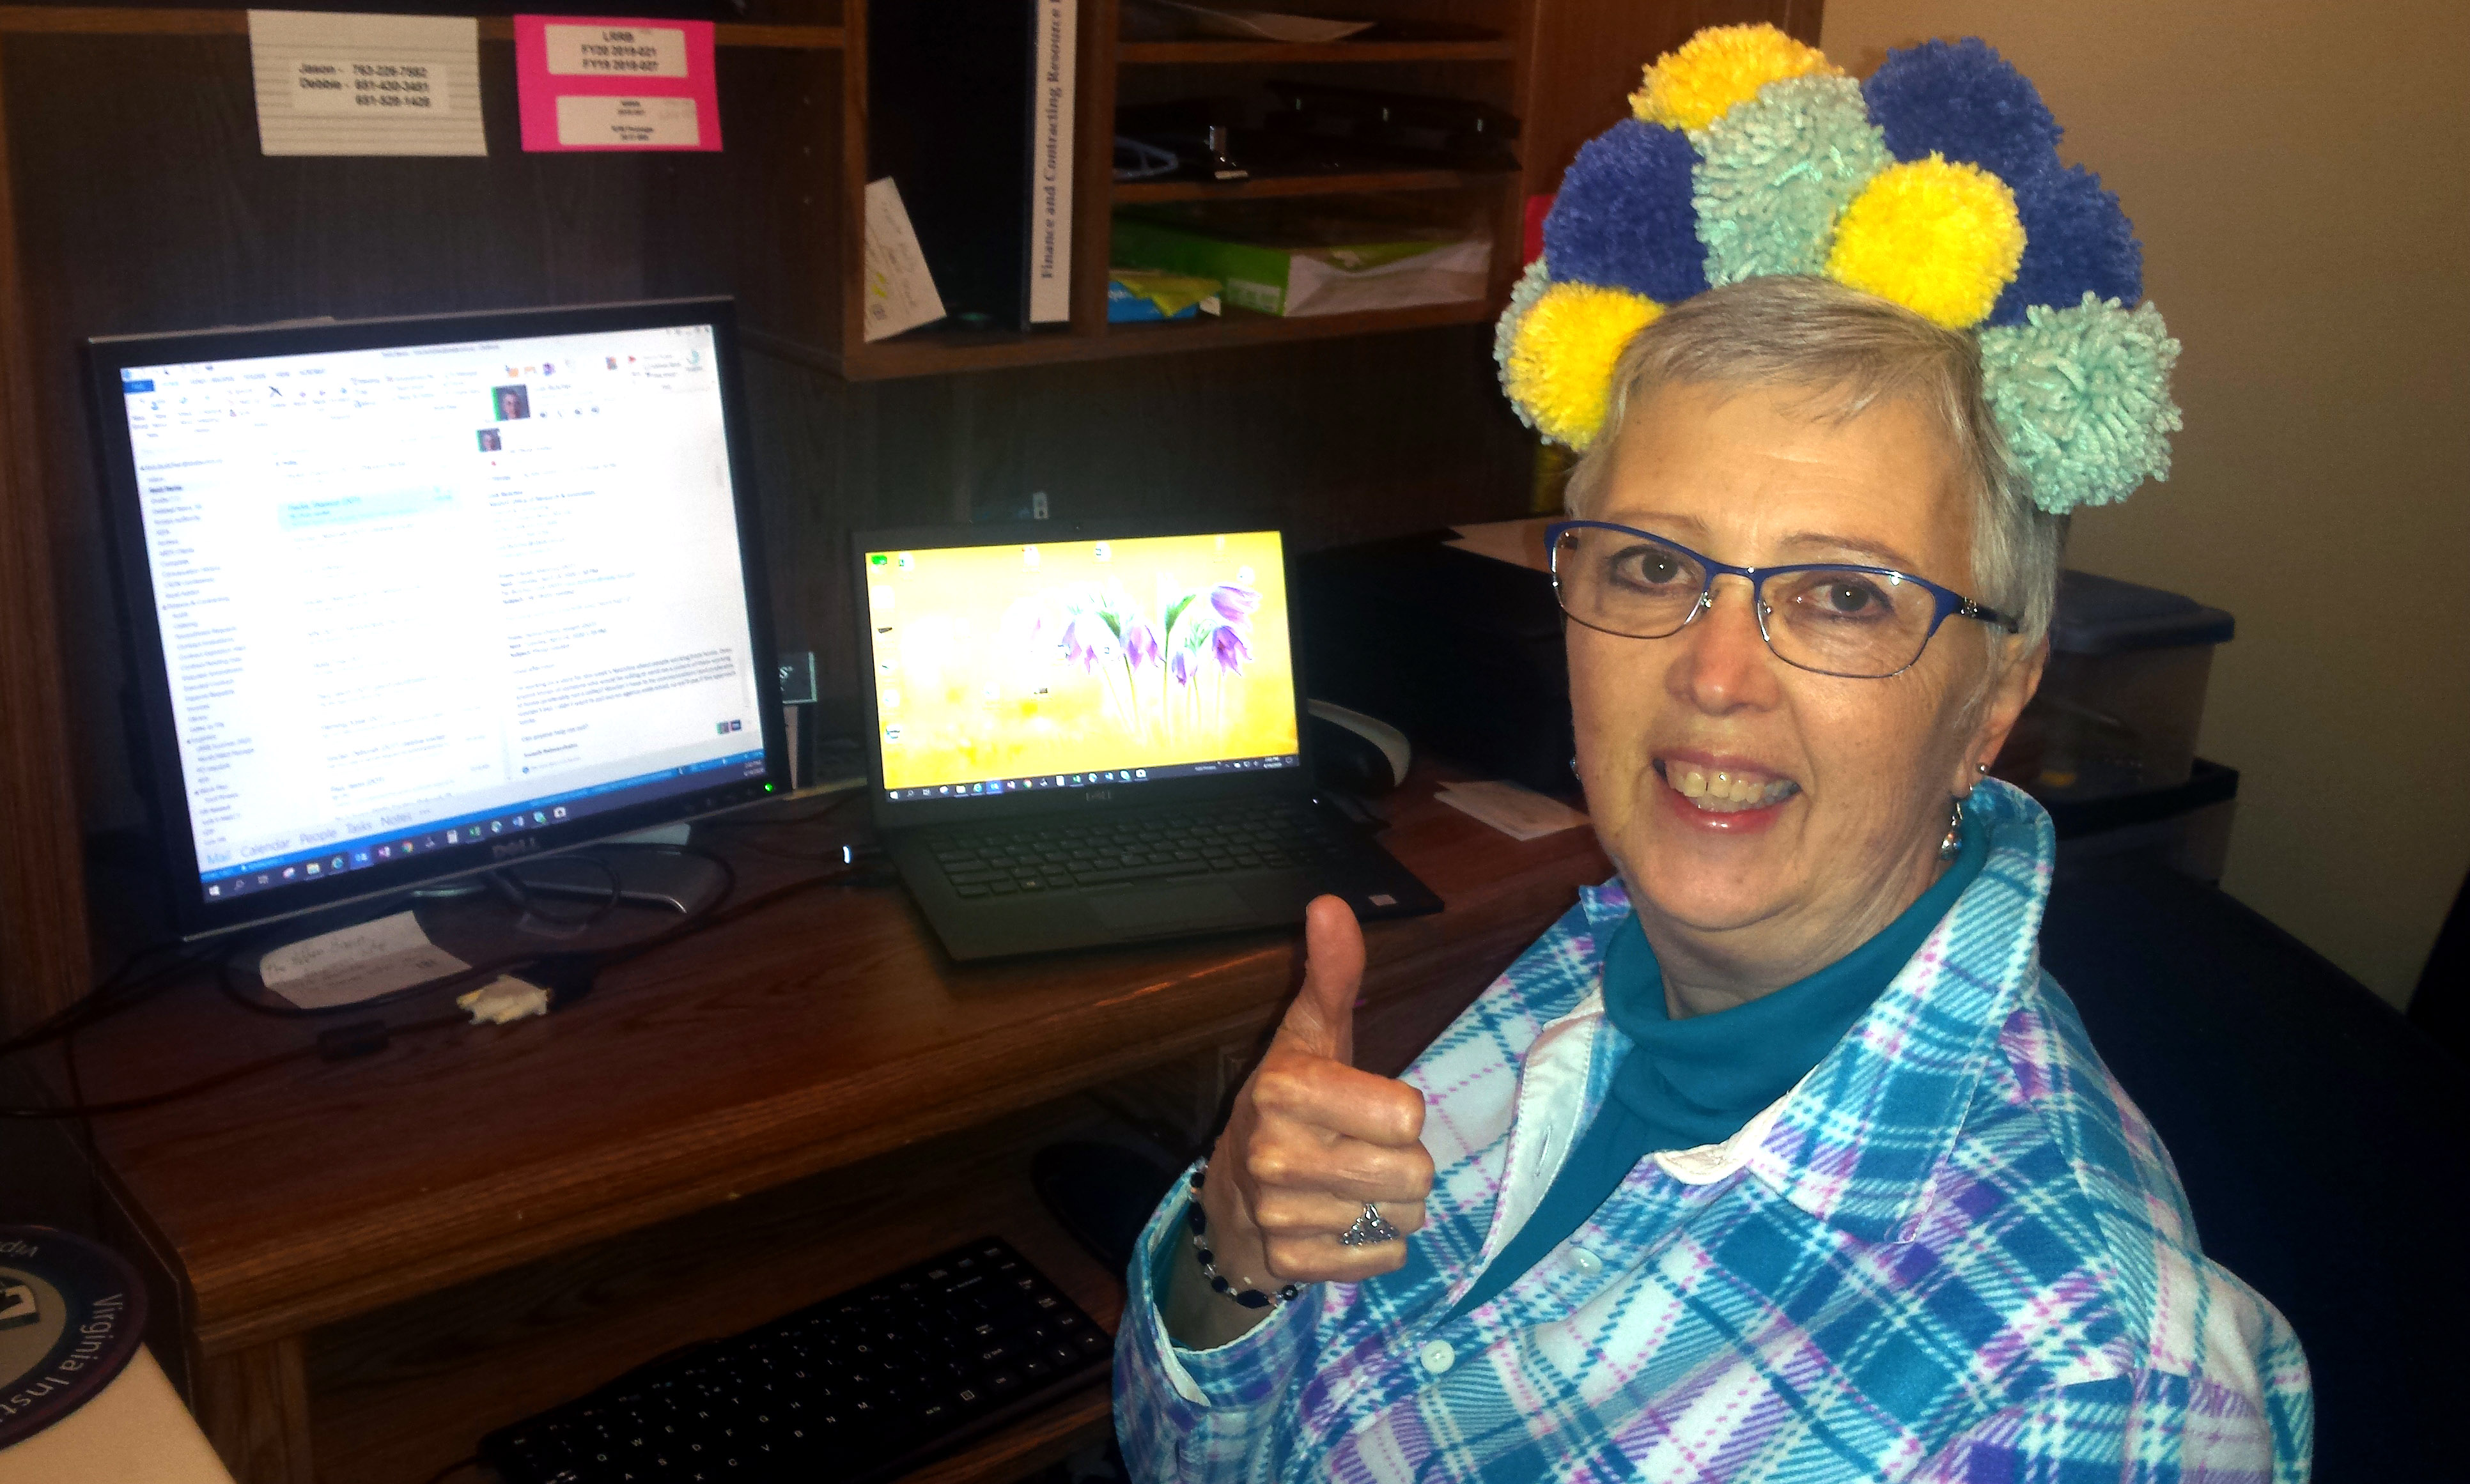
<point>1194,1217</point>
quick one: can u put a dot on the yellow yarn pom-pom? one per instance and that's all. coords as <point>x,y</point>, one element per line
<point>1560,364</point>
<point>1939,239</point>
<point>1694,85</point>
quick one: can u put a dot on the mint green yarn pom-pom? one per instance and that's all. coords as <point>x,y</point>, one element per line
<point>1530,287</point>
<point>1776,169</point>
<point>2082,395</point>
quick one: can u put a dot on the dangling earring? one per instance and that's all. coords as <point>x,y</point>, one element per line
<point>1954,832</point>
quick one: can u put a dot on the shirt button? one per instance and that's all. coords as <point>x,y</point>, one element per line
<point>1585,1264</point>
<point>1438,1357</point>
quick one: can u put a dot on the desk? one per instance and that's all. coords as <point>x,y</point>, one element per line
<point>385,1258</point>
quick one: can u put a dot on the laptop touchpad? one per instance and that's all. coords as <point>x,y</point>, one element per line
<point>1170,909</point>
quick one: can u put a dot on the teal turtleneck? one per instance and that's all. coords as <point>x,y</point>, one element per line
<point>1686,1083</point>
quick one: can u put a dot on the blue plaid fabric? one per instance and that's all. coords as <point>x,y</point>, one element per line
<point>1956,1252</point>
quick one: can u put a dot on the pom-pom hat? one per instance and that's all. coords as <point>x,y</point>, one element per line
<point>1935,185</point>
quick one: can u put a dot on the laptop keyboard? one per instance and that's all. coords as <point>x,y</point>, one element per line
<point>1016,857</point>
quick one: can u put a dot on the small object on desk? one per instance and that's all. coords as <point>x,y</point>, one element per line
<point>863,1386</point>
<point>504,999</point>
<point>1143,295</point>
<point>357,962</point>
<point>1520,813</point>
<point>1357,752</point>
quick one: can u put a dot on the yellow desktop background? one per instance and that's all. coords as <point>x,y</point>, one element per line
<point>1013,662</point>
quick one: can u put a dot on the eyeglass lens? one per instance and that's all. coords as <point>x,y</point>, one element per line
<point>1837,620</point>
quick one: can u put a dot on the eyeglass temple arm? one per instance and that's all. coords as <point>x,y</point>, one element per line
<point>1972,609</point>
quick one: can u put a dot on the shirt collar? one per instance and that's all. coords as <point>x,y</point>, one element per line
<point>1858,1143</point>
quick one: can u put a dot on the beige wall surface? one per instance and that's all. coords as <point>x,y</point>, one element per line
<point>2300,173</point>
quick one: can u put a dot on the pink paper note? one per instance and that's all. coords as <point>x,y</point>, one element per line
<point>597,84</point>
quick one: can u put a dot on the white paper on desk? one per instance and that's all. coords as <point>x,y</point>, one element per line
<point>1520,813</point>
<point>357,962</point>
<point>1519,543</point>
<point>331,83</point>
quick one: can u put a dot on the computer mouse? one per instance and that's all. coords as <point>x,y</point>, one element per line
<point>1362,754</point>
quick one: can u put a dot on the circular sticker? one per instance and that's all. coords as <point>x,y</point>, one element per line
<point>71,1314</point>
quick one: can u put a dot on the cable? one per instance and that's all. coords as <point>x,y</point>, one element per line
<point>366,1037</point>
<point>516,889</point>
<point>454,1467</point>
<point>345,1043</point>
<point>114,994</point>
<point>362,1038</point>
<point>482,973</point>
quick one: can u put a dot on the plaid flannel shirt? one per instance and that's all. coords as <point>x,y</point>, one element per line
<point>1955,1251</point>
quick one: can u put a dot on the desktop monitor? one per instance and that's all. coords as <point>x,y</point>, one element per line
<point>410,598</point>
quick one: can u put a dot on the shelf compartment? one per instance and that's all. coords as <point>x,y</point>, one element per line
<point>1134,54</point>
<point>1332,183</point>
<point>933,353</point>
<point>97,20</point>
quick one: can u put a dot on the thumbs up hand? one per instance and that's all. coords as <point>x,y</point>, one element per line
<point>1310,1141</point>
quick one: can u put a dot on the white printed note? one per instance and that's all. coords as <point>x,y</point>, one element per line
<point>1520,813</point>
<point>899,289</point>
<point>357,963</point>
<point>615,51</point>
<point>585,119</point>
<point>366,84</point>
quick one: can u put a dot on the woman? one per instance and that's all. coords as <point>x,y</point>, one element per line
<point>1779,1158</point>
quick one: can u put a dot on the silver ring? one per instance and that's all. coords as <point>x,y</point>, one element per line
<point>1370,1230</point>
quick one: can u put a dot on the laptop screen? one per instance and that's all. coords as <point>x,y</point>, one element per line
<point>1012,668</point>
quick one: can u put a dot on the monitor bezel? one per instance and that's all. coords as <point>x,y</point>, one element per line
<point>894,814</point>
<point>196,915</point>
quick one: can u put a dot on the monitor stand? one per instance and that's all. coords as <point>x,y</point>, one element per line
<point>643,876</point>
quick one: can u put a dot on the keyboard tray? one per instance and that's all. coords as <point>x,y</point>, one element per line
<point>863,1386</point>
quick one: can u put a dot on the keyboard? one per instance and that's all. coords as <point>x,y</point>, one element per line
<point>862,1386</point>
<point>1002,860</point>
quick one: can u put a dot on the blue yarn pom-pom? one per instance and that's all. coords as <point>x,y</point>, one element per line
<point>2077,241</point>
<point>1969,104</point>
<point>1625,220</point>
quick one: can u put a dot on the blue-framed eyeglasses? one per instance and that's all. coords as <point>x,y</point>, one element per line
<point>1829,618</point>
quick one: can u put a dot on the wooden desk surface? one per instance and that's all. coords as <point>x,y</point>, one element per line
<point>820,1031</point>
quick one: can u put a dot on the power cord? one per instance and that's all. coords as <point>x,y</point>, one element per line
<point>567,977</point>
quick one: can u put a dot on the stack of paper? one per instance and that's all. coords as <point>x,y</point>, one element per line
<point>1520,813</point>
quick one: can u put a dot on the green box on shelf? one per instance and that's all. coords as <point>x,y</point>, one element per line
<point>1312,266</point>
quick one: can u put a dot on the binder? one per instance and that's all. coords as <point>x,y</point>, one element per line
<point>971,106</point>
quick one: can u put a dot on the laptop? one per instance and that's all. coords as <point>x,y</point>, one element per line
<point>1083,737</point>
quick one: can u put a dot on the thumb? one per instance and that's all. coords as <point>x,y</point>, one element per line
<point>1321,1020</point>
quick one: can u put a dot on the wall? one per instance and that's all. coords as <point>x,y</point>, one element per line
<point>2295,170</point>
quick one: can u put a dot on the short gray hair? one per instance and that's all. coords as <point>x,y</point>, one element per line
<point>1850,351</point>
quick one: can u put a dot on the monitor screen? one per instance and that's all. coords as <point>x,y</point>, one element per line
<point>434,598</point>
<point>1019,667</point>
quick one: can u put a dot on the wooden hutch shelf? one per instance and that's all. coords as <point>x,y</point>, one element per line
<point>1266,187</point>
<point>939,352</point>
<point>1300,53</point>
